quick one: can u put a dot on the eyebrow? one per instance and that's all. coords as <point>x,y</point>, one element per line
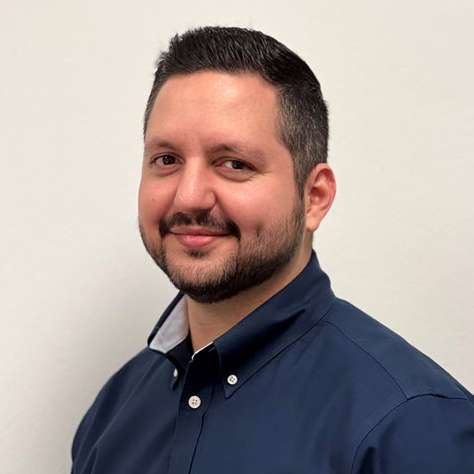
<point>231,148</point>
<point>157,143</point>
<point>224,147</point>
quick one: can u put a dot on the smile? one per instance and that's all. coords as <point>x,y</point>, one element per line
<point>196,240</point>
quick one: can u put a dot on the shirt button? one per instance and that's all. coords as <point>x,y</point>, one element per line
<point>194,402</point>
<point>232,379</point>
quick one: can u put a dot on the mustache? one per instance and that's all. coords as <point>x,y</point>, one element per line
<point>202,219</point>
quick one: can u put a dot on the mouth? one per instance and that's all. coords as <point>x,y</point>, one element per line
<point>197,241</point>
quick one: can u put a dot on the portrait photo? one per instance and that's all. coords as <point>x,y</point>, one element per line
<point>238,237</point>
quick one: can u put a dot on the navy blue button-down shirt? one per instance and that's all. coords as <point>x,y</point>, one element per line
<point>306,383</point>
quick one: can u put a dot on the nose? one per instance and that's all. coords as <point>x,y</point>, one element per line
<point>194,190</point>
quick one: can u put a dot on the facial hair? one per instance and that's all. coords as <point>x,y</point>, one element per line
<point>256,260</point>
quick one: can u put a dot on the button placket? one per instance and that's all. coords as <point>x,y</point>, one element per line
<point>197,387</point>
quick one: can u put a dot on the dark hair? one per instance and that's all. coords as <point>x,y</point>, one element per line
<point>303,112</point>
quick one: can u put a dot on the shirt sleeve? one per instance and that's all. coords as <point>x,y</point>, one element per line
<point>424,435</point>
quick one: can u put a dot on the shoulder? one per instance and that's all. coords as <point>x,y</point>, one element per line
<point>114,393</point>
<point>415,416</point>
<point>374,344</point>
<point>119,386</point>
<point>428,433</point>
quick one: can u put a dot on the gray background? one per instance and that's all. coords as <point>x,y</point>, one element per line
<point>79,295</point>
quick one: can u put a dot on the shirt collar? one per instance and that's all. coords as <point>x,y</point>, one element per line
<point>257,338</point>
<point>170,336</point>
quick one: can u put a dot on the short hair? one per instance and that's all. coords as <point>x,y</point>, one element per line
<point>303,113</point>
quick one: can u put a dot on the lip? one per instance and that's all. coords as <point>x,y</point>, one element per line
<point>202,231</point>
<point>197,240</point>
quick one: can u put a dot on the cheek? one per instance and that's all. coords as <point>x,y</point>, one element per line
<point>152,201</point>
<point>253,211</point>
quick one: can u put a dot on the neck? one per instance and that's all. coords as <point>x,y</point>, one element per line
<point>209,321</point>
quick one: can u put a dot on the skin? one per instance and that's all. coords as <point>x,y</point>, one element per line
<point>198,121</point>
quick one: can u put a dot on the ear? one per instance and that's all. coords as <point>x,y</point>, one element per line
<point>319,193</point>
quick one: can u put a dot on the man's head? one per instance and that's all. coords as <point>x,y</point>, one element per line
<point>220,135</point>
<point>303,116</point>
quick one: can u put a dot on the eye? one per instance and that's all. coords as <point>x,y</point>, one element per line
<point>164,160</point>
<point>236,165</point>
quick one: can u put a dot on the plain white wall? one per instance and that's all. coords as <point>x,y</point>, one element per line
<point>79,294</point>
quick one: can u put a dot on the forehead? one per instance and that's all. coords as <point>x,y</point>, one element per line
<point>215,104</point>
<point>228,89</point>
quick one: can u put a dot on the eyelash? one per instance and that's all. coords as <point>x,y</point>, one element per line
<point>246,165</point>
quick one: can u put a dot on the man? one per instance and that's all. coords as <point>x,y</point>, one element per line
<point>256,366</point>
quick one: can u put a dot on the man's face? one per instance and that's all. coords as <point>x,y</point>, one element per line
<point>218,206</point>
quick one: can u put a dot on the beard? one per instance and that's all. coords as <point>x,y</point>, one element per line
<point>255,260</point>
